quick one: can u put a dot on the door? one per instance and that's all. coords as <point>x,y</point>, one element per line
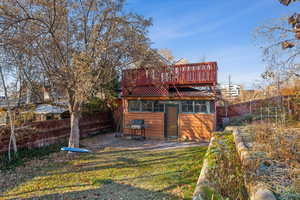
<point>171,121</point>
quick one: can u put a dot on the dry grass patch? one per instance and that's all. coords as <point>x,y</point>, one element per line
<point>279,164</point>
<point>225,169</point>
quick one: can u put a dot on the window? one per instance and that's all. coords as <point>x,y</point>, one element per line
<point>134,106</point>
<point>159,107</point>
<point>187,106</point>
<point>147,106</point>
<point>201,107</point>
<point>197,106</point>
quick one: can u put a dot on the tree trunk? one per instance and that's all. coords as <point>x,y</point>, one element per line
<point>12,139</point>
<point>75,132</point>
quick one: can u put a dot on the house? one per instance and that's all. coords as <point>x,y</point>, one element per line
<point>181,61</point>
<point>47,112</point>
<point>175,101</point>
<point>230,90</point>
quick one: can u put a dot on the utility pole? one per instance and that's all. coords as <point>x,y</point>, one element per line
<point>229,86</point>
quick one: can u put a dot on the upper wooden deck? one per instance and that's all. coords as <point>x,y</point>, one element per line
<point>185,74</point>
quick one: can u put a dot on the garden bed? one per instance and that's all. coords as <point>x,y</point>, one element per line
<point>222,176</point>
<point>275,155</point>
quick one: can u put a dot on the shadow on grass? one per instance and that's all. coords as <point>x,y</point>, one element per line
<point>95,182</point>
<point>108,189</point>
<point>179,175</point>
<point>25,154</point>
<point>143,150</point>
<point>127,162</point>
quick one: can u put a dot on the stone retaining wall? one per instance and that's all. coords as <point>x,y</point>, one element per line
<point>256,190</point>
<point>203,183</point>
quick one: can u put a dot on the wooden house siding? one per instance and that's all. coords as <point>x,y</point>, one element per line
<point>196,126</point>
<point>190,126</point>
<point>191,88</point>
<point>154,121</point>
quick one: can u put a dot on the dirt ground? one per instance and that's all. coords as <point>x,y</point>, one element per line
<point>109,140</point>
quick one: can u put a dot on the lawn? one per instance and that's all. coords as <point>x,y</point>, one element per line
<point>112,173</point>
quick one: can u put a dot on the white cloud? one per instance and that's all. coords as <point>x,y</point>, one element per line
<point>179,26</point>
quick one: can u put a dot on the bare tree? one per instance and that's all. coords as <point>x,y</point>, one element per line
<point>12,138</point>
<point>287,2</point>
<point>15,87</point>
<point>79,45</point>
<point>280,42</point>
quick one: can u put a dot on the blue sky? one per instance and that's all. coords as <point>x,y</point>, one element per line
<point>219,30</point>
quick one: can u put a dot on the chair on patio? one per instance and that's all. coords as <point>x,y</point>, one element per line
<point>137,128</point>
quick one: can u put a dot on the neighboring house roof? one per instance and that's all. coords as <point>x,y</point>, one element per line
<point>162,58</point>
<point>181,61</point>
<point>48,109</point>
<point>12,103</point>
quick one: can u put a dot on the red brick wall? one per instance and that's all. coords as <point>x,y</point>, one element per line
<point>43,133</point>
<point>241,109</point>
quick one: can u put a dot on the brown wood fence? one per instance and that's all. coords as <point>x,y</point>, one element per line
<point>42,133</point>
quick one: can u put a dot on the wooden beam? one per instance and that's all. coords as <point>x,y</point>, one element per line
<point>169,98</point>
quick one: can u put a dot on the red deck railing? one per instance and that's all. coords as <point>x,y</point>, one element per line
<point>187,74</point>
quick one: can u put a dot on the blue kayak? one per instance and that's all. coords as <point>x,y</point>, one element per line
<point>78,150</point>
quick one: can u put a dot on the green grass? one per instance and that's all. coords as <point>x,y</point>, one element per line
<point>108,174</point>
<point>25,154</point>
<point>225,169</point>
